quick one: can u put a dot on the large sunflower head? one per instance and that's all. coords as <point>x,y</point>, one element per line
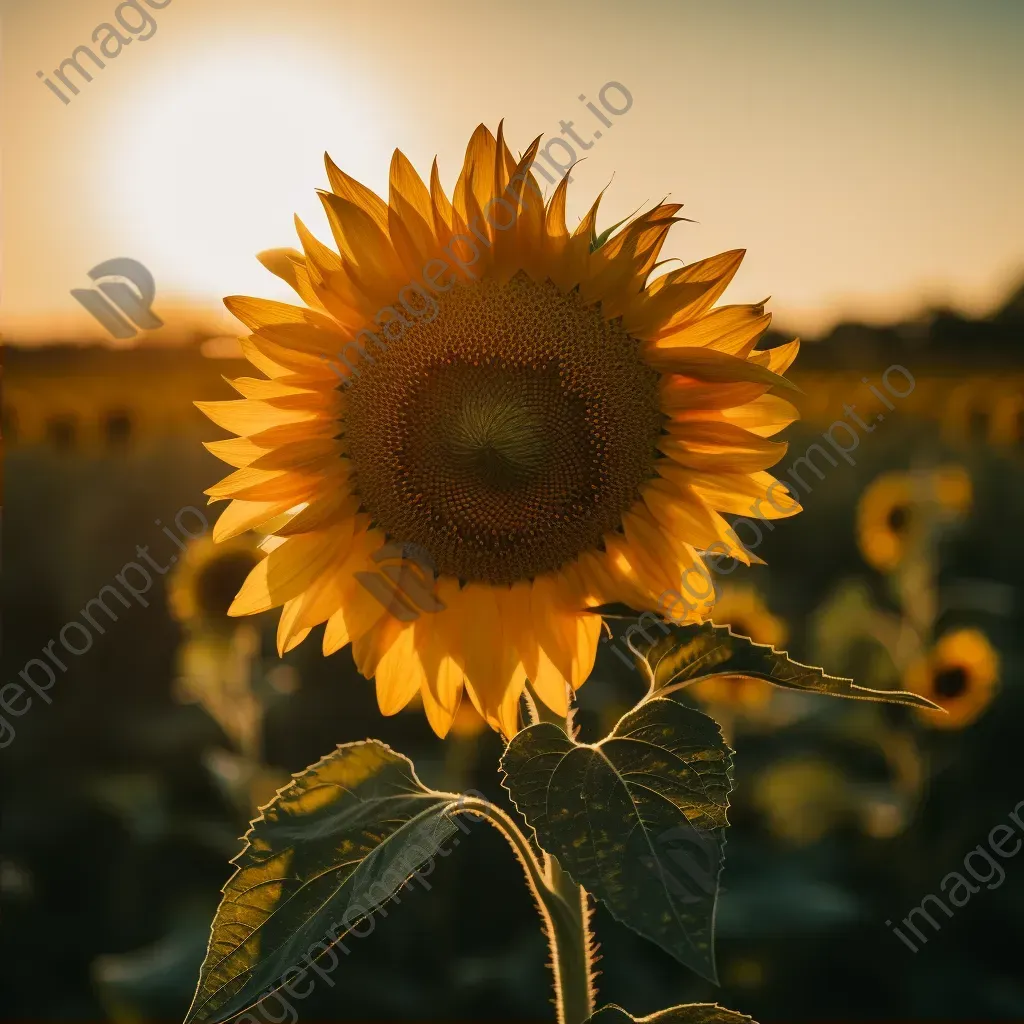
<point>545,427</point>
<point>960,674</point>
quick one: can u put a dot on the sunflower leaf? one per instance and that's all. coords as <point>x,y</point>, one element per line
<point>691,652</point>
<point>690,1013</point>
<point>325,854</point>
<point>638,819</point>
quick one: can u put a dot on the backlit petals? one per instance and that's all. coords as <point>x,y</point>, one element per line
<point>705,403</point>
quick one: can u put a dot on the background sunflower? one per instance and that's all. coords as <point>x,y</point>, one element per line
<point>960,674</point>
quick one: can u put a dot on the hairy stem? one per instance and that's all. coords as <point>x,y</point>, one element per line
<point>563,910</point>
<point>571,943</point>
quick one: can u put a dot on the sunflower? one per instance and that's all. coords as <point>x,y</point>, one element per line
<point>206,579</point>
<point>742,608</point>
<point>897,507</point>
<point>884,520</point>
<point>470,379</point>
<point>960,675</point>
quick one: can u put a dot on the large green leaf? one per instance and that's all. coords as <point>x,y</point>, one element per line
<point>691,1013</point>
<point>333,846</point>
<point>688,653</point>
<point>637,819</point>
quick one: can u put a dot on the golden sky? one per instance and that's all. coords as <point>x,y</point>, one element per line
<point>867,154</point>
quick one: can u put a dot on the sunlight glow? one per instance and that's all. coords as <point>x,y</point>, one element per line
<point>213,170</point>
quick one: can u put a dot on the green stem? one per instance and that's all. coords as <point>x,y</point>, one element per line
<point>563,910</point>
<point>571,944</point>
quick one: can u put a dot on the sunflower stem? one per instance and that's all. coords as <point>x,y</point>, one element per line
<point>571,945</point>
<point>564,912</point>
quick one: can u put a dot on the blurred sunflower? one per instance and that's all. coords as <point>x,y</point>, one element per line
<point>206,579</point>
<point>890,512</point>
<point>743,609</point>
<point>960,675</point>
<point>553,431</point>
<point>803,799</point>
<point>216,657</point>
<point>884,520</point>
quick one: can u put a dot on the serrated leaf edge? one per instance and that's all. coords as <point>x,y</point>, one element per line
<point>861,692</point>
<point>261,818</point>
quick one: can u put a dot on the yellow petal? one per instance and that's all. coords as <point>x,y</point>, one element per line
<point>288,364</point>
<point>255,387</point>
<point>399,674</point>
<point>368,649</point>
<point>363,243</point>
<point>473,190</point>
<point>686,518</point>
<point>731,329</point>
<point>250,484</point>
<point>439,647</point>
<point>246,417</point>
<point>682,295</point>
<point>780,358</point>
<point>282,263</point>
<point>576,257</point>
<point>764,416</point>
<point>444,214</point>
<point>711,436</point>
<point>310,425</point>
<point>323,260</point>
<point>241,516</point>
<point>266,315</point>
<point>285,573</point>
<point>235,451</point>
<point>360,611</point>
<point>678,394</point>
<point>329,506</point>
<point>314,454</point>
<point>708,365</point>
<point>494,675</point>
<point>358,194</point>
<point>410,216</point>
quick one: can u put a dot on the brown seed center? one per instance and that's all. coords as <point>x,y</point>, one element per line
<point>507,435</point>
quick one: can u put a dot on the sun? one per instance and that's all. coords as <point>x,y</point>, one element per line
<point>190,185</point>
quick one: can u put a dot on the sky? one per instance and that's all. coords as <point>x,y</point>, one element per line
<point>867,154</point>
